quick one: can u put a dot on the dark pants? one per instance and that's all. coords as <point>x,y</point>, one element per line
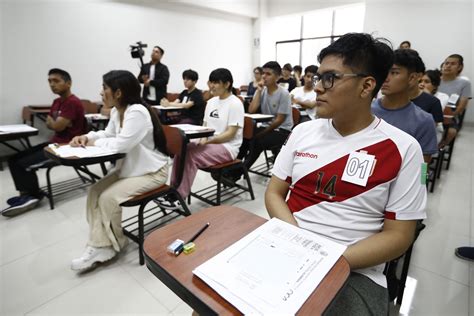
<point>271,141</point>
<point>360,296</point>
<point>26,180</point>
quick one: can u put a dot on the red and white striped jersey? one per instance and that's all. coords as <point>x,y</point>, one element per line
<point>313,161</point>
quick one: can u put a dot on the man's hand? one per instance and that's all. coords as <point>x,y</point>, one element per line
<point>164,102</point>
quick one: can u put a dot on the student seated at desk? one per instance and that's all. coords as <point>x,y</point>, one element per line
<point>257,73</point>
<point>375,219</point>
<point>135,130</point>
<point>190,99</point>
<point>396,108</point>
<point>304,97</point>
<point>225,114</point>
<point>66,119</point>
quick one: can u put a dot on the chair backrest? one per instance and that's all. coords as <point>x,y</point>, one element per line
<point>172,96</point>
<point>249,128</point>
<point>244,88</point>
<point>90,107</point>
<point>176,144</point>
<point>296,116</point>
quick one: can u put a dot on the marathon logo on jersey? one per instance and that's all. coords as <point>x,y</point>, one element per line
<point>306,155</point>
<point>214,114</point>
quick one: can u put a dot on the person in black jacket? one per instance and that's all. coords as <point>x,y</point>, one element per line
<point>155,77</point>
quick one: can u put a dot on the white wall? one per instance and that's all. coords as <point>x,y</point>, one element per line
<point>89,38</point>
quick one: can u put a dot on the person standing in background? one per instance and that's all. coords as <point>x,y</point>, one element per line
<point>155,77</point>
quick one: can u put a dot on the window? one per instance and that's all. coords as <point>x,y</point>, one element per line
<point>318,29</point>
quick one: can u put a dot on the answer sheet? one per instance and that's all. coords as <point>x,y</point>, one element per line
<point>272,270</point>
<point>80,152</point>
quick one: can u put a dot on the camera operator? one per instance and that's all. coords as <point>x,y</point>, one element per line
<point>154,75</point>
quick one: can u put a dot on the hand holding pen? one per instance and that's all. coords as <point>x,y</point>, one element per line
<point>79,141</point>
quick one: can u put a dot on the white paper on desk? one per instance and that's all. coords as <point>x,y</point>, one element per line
<point>161,107</point>
<point>259,115</point>
<point>96,116</point>
<point>80,152</point>
<point>190,127</point>
<point>272,270</point>
<point>16,128</point>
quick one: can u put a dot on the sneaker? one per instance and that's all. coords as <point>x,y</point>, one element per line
<point>14,200</point>
<point>466,253</point>
<point>21,205</point>
<point>168,204</point>
<point>91,256</point>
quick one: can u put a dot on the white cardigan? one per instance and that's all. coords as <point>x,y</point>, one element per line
<point>135,139</point>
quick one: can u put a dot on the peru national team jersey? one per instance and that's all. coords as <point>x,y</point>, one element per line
<point>313,161</point>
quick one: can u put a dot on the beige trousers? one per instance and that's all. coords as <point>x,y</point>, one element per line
<point>104,213</point>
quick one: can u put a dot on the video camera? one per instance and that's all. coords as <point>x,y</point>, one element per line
<point>136,50</point>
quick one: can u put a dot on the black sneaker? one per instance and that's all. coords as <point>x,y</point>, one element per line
<point>466,253</point>
<point>168,204</point>
<point>22,205</point>
<point>14,200</point>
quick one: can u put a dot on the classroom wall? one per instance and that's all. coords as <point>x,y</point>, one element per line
<point>89,38</point>
<point>435,28</point>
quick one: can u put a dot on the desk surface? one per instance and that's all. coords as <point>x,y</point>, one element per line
<point>16,133</point>
<point>227,225</point>
<point>258,117</point>
<point>75,161</point>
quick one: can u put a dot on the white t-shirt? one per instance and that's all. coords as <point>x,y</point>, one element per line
<point>220,114</point>
<point>301,95</point>
<point>313,162</point>
<point>135,138</point>
<point>443,98</point>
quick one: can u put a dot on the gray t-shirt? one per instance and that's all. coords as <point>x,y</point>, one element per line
<point>459,86</point>
<point>278,103</point>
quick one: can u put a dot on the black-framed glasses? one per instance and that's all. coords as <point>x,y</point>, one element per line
<point>328,78</point>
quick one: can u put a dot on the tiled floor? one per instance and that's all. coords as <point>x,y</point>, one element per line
<point>36,249</point>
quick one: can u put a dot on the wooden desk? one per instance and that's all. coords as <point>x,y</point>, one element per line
<point>260,118</point>
<point>21,136</point>
<point>32,111</point>
<point>81,163</point>
<point>199,133</point>
<point>227,225</point>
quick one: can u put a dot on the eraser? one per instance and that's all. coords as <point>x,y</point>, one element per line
<point>175,246</point>
<point>189,247</point>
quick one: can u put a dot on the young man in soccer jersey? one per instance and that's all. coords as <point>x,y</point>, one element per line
<point>352,177</point>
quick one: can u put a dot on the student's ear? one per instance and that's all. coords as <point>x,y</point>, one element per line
<point>227,86</point>
<point>368,86</point>
<point>118,94</point>
<point>413,78</point>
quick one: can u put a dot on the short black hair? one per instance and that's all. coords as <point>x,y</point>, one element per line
<point>259,69</point>
<point>312,69</point>
<point>405,42</point>
<point>161,49</point>
<point>274,66</point>
<point>62,73</point>
<point>363,54</point>
<point>435,77</point>
<point>297,68</point>
<point>287,66</point>
<point>190,74</point>
<point>410,59</point>
<point>460,60</point>
<point>222,75</point>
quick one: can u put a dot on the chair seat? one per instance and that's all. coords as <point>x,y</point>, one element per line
<point>222,165</point>
<point>150,195</point>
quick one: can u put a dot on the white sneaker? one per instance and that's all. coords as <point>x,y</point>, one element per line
<point>91,256</point>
